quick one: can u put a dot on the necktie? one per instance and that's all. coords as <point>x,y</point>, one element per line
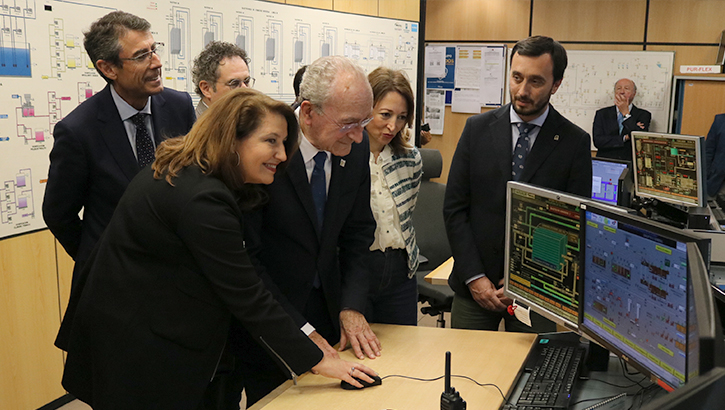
<point>521,149</point>
<point>318,184</point>
<point>620,120</point>
<point>144,145</point>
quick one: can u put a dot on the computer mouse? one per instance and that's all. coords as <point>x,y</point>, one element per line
<point>377,381</point>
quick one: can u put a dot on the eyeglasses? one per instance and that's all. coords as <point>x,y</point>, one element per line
<point>344,129</point>
<point>158,49</point>
<point>236,83</point>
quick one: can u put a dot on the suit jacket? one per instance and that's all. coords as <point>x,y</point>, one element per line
<point>290,248</point>
<point>475,203</point>
<point>607,138</point>
<point>153,315</point>
<point>92,162</point>
<point>715,155</point>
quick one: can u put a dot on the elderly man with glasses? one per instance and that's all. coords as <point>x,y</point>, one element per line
<point>103,143</point>
<point>218,69</point>
<point>311,241</point>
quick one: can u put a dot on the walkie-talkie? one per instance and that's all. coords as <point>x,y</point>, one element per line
<point>450,399</point>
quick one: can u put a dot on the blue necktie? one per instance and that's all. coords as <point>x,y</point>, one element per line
<point>620,120</point>
<point>144,146</point>
<point>520,151</point>
<point>318,184</point>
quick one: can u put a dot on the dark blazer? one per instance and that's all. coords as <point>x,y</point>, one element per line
<point>475,204</point>
<point>158,294</point>
<point>715,155</point>
<point>291,249</point>
<point>92,162</point>
<point>607,138</point>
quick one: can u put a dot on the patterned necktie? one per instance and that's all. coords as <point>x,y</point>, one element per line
<point>144,146</point>
<point>522,148</point>
<point>620,120</point>
<point>318,184</point>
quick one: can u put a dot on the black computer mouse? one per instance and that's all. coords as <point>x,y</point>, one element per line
<point>376,382</point>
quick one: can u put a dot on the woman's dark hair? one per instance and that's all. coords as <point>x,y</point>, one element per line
<point>211,143</point>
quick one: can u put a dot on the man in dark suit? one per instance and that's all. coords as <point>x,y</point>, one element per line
<point>313,237</point>
<point>613,125</point>
<point>527,141</point>
<point>99,147</point>
<point>715,156</point>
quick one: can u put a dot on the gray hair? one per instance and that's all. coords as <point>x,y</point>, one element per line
<point>321,76</point>
<point>206,64</point>
<point>628,79</point>
<point>101,40</point>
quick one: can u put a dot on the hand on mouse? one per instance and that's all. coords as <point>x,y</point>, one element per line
<point>343,370</point>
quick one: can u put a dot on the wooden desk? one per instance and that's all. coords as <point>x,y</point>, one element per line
<point>439,275</point>
<point>487,357</point>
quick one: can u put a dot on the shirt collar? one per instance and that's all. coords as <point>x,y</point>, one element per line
<point>630,109</point>
<point>538,121</point>
<point>125,110</point>
<point>307,150</point>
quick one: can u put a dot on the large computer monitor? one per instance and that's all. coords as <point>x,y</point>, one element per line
<point>669,167</point>
<point>641,282</point>
<point>541,267</point>
<point>611,181</point>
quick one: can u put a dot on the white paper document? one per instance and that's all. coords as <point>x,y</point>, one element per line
<point>435,105</point>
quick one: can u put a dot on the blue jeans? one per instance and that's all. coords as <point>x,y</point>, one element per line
<point>393,297</point>
<point>467,314</point>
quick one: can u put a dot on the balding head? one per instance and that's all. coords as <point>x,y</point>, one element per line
<point>627,88</point>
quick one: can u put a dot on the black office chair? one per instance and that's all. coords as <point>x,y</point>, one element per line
<point>431,235</point>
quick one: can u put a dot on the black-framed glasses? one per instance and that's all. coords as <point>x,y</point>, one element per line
<point>236,83</point>
<point>157,48</point>
<point>345,128</point>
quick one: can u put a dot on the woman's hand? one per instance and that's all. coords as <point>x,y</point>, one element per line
<point>336,368</point>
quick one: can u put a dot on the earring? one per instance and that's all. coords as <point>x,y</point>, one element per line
<point>239,160</point>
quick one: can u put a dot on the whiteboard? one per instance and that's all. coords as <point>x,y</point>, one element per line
<point>45,72</point>
<point>590,76</point>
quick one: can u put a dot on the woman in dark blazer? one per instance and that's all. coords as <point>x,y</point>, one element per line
<point>151,320</point>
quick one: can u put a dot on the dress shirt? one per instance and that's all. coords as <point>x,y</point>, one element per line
<point>624,117</point>
<point>125,111</point>
<point>515,119</point>
<point>388,233</point>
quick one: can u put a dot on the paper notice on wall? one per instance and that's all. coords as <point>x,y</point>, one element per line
<point>466,101</point>
<point>435,104</point>
<point>435,61</point>
<point>468,67</point>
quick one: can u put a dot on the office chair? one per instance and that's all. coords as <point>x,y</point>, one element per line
<point>430,233</point>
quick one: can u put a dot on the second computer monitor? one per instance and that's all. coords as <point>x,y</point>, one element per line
<point>669,167</point>
<point>636,296</point>
<point>610,181</point>
<point>542,251</point>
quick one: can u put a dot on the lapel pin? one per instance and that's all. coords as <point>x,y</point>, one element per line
<point>556,137</point>
<point>342,163</point>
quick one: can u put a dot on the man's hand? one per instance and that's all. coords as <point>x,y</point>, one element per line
<point>323,345</point>
<point>640,125</point>
<point>622,103</point>
<point>355,329</point>
<point>487,296</point>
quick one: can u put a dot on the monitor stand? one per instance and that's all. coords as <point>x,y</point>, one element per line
<point>663,212</point>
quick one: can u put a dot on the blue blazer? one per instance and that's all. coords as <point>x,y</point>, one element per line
<point>715,155</point>
<point>92,163</point>
<point>475,204</point>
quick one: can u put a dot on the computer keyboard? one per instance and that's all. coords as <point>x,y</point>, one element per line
<point>550,373</point>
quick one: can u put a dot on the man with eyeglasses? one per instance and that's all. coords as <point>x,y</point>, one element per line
<point>218,69</point>
<point>103,143</point>
<point>312,239</point>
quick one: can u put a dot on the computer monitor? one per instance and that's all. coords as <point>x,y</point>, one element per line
<point>641,281</point>
<point>611,181</point>
<point>541,267</point>
<point>669,167</point>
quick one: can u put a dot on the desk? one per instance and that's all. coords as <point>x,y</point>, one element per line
<point>439,275</point>
<point>487,357</point>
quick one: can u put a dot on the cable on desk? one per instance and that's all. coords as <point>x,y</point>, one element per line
<point>615,385</point>
<point>440,377</point>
